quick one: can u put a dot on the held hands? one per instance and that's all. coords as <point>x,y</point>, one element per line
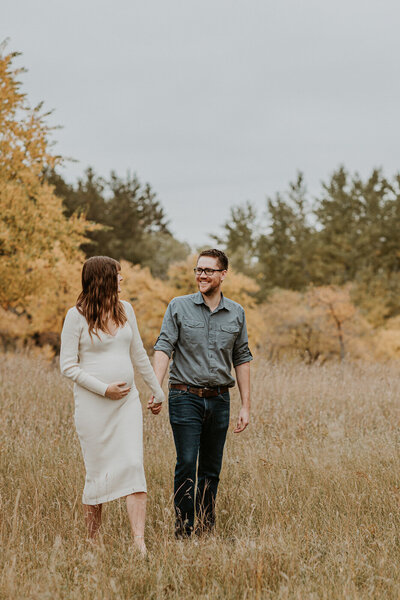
<point>117,390</point>
<point>243,420</point>
<point>155,407</point>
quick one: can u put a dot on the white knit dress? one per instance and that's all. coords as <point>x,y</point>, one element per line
<point>110,431</point>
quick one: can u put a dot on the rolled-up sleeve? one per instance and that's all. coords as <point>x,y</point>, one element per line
<point>169,332</point>
<point>241,351</point>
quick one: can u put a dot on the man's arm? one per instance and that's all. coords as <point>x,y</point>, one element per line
<point>243,381</point>
<point>160,366</point>
<point>163,350</point>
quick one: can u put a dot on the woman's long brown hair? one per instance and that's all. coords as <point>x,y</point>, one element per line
<point>98,301</point>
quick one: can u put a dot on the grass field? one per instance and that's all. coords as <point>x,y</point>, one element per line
<point>308,505</point>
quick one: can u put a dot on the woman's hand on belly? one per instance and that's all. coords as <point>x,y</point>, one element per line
<point>117,390</point>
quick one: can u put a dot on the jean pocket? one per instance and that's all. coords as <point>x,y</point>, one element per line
<point>175,394</point>
<point>226,397</point>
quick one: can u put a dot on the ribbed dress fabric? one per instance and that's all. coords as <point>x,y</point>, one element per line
<point>110,431</point>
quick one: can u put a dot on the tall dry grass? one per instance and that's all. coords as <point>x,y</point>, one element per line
<point>308,505</point>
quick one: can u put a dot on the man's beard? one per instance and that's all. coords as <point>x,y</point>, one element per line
<point>211,289</point>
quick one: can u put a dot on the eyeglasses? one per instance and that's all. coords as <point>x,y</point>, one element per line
<point>208,272</point>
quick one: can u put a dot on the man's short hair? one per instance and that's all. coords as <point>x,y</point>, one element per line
<point>219,255</point>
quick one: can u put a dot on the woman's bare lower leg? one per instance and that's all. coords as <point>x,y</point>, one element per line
<point>136,507</point>
<point>92,519</point>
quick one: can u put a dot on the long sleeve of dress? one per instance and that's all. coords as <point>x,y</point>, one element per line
<point>69,355</point>
<point>139,357</point>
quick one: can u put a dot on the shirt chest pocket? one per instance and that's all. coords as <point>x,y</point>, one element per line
<point>227,336</point>
<point>193,332</point>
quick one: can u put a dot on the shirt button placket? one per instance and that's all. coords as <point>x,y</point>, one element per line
<point>211,348</point>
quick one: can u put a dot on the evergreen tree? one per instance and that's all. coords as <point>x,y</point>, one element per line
<point>338,213</point>
<point>285,251</point>
<point>133,214</point>
<point>133,223</point>
<point>239,238</point>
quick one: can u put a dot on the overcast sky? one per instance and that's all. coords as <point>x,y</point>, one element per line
<point>214,102</point>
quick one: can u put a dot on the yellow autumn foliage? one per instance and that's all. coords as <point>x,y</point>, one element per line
<point>316,325</point>
<point>33,229</point>
<point>149,296</point>
<point>61,289</point>
<point>24,132</point>
<point>387,340</point>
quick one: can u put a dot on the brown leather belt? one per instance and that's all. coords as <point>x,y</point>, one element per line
<point>202,392</point>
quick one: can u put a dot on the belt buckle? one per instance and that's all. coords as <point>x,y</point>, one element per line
<point>203,392</point>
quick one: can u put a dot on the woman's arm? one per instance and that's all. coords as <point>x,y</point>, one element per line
<point>69,355</point>
<point>139,357</point>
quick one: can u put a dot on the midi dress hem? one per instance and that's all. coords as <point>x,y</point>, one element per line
<point>109,498</point>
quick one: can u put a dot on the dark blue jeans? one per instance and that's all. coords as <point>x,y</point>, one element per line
<point>199,426</point>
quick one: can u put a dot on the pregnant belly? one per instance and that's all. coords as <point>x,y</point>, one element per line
<point>111,369</point>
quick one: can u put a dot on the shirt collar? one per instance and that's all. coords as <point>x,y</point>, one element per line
<point>198,299</point>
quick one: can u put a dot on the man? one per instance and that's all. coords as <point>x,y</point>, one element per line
<point>204,333</point>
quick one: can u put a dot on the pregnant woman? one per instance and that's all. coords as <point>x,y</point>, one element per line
<point>100,347</point>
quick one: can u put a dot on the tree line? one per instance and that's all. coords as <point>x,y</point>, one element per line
<point>347,234</point>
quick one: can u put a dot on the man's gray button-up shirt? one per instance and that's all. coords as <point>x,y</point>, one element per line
<point>204,344</point>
